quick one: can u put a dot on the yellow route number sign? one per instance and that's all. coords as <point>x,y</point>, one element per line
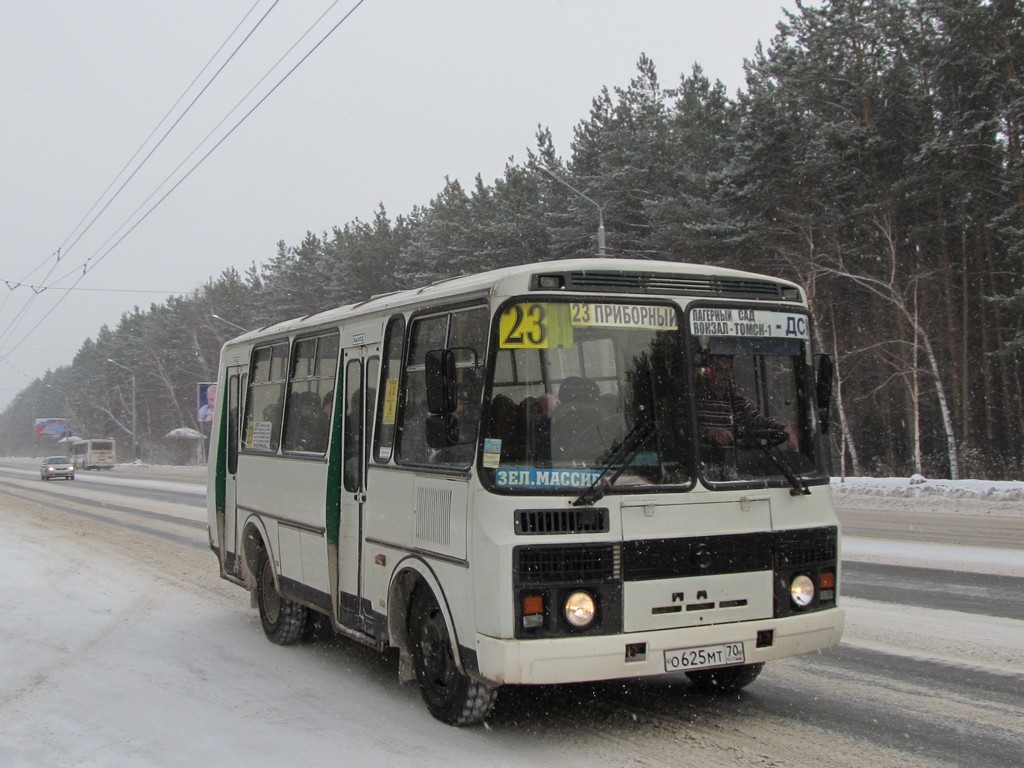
<point>535,325</point>
<point>549,325</point>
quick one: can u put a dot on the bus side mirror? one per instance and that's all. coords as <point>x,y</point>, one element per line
<point>824,390</point>
<point>442,394</point>
<point>442,427</point>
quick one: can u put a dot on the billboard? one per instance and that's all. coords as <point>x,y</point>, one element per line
<point>52,427</point>
<point>206,400</point>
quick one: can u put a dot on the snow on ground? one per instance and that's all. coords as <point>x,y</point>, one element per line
<point>118,661</point>
<point>1008,562</point>
<point>975,497</point>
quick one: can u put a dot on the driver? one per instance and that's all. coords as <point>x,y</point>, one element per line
<point>721,409</point>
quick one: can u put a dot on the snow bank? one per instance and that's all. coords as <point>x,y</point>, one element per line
<point>918,487</point>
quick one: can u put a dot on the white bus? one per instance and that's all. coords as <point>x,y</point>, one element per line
<point>94,453</point>
<point>522,477</point>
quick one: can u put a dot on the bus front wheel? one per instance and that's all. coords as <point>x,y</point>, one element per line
<point>284,620</point>
<point>724,679</point>
<point>450,695</point>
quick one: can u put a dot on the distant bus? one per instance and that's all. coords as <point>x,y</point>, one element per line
<point>94,454</point>
<point>542,474</point>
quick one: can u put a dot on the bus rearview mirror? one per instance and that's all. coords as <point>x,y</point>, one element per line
<point>442,395</point>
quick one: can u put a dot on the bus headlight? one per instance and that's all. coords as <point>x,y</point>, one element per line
<point>801,591</point>
<point>580,609</point>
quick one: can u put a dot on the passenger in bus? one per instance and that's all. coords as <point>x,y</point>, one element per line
<point>307,425</point>
<point>722,410</point>
<point>579,390</point>
<point>272,414</point>
<point>578,435</point>
<point>323,423</point>
<point>506,424</point>
<point>537,413</point>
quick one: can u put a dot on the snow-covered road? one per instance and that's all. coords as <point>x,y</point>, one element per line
<point>123,648</point>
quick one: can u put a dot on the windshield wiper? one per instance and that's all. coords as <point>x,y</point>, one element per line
<point>623,453</point>
<point>769,440</point>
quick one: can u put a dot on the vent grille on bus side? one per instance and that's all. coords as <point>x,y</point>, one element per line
<point>434,515</point>
<point>681,285</point>
<point>571,564</point>
<point>550,521</point>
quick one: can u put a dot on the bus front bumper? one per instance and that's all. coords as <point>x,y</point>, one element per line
<point>640,654</point>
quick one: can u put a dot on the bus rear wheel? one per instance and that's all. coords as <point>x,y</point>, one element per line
<point>450,695</point>
<point>724,679</point>
<point>284,620</point>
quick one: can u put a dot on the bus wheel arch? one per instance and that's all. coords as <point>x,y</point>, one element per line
<point>430,653</point>
<point>254,539</point>
<point>409,577</point>
<point>283,619</point>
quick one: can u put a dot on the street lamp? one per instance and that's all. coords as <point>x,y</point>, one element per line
<point>233,325</point>
<point>600,208</point>
<point>126,368</point>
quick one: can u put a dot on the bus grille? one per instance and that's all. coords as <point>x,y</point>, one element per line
<point>805,546</point>
<point>566,565</point>
<point>676,285</point>
<point>551,521</point>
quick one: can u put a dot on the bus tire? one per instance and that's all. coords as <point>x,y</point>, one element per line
<point>450,695</point>
<point>724,679</point>
<point>283,620</point>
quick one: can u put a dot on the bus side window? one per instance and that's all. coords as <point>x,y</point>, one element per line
<point>464,331</point>
<point>265,400</point>
<point>387,410</point>
<point>353,433</point>
<point>425,334</point>
<point>232,439</point>
<point>311,394</point>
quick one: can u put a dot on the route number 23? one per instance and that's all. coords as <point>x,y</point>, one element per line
<point>524,326</point>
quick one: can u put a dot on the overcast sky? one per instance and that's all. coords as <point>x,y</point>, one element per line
<point>400,95</point>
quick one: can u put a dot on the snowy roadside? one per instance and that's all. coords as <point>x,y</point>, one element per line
<point>978,497</point>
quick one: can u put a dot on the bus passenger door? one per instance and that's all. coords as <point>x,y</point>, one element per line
<point>229,451</point>
<point>360,374</point>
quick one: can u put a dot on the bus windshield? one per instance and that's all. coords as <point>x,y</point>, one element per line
<point>601,395</point>
<point>751,385</point>
<point>587,393</point>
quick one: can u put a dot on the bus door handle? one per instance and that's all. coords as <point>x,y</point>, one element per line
<point>745,501</point>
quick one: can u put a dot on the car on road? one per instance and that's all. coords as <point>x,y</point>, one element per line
<point>57,466</point>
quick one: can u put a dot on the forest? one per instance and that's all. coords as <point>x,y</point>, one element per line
<point>874,156</point>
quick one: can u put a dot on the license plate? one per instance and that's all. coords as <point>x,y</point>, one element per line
<point>704,656</point>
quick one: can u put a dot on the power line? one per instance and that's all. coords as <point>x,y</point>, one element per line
<point>164,119</point>
<point>206,138</point>
<point>36,291</point>
<point>173,126</point>
<point>86,267</point>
